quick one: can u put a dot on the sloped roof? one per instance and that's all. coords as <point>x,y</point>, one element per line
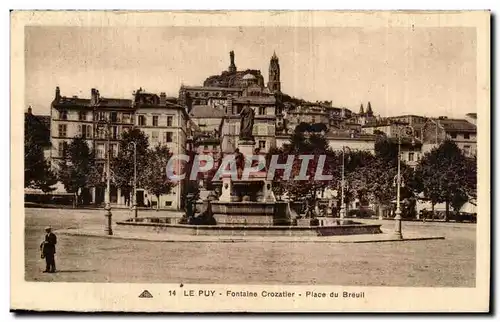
<point>205,111</point>
<point>115,102</point>
<point>457,125</point>
<point>213,88</point>
<point>73,101</point>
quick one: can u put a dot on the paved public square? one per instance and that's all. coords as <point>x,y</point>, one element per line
<point>431,263</point>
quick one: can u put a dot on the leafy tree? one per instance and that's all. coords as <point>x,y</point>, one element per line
<point>447,176</point>
<point>386,150</point>
<point>313,146</point>
<point>49,178</point>
<point>302,127</point>
<point>37,170</point>
<point>375,177</point>
<point>471,179</point>
<point>77,170</point>
<point>155,178</point>
<point>356,171</point>
<point>123,165</point>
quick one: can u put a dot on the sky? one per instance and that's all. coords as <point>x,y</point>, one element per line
<point>423,71</point>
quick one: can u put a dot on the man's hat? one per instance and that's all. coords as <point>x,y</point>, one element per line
<point>47,228</point>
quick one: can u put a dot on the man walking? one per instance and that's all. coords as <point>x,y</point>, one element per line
<point>48,249</point>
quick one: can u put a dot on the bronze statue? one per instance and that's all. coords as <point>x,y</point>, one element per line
<point>231,57</point>
<point>247,115</point>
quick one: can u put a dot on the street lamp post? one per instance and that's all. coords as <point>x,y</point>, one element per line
<point>342,198</point>
<point>134,196</point>
<point>397,218</point>
<point>397,229</point>
<point>108,229</point>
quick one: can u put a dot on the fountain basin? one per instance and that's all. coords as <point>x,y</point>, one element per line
<point>250,213</point>
<point>346,228</point>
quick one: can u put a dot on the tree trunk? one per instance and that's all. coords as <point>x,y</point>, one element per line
<point>447,212</point>
<point>75,202</point>
<point>433,211</point>
<point>157,202</point>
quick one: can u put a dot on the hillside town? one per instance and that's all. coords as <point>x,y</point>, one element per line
<point>204,119</point>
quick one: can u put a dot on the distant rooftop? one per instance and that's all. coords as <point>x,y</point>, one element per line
<point>456,125</point>
<point>210,88</point>
<point>256,99</point>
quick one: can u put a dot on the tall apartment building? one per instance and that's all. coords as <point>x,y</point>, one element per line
<point>163,122</point>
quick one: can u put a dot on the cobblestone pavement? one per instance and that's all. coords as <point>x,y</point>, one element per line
<point>444,263</point>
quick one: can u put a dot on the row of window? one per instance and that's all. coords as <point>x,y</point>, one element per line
<point>85,131</point>
<point>257,129</point>
<point>115,117</point>
<point>167,137</point>
<point>262,110</point>
<point>466,150</point>
<point>100,149</point>
<point>142,120</point>
<point>466,136</point>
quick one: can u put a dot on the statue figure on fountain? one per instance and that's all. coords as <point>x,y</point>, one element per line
<point>246,124</point>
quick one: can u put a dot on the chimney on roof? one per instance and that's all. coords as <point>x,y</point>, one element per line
<point>163,98</point>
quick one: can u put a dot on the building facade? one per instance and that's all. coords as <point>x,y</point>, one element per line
<point>163,123</point>
<point>460,131</point>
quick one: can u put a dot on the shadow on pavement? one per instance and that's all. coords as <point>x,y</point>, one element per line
<point>75,271</point>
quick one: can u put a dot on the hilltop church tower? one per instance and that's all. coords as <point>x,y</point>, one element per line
<point>274,84</point>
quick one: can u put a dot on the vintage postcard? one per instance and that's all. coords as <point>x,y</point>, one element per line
<point>240,161</point>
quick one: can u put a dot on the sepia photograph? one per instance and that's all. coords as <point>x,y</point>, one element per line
<point>251,160</point>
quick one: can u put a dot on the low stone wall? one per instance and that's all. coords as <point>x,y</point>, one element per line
<point>238,230</point>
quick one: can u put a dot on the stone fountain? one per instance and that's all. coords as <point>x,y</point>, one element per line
<point>249,207</point>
